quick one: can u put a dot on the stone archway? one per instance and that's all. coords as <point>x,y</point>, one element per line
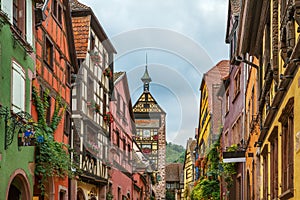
<point>18,186</point>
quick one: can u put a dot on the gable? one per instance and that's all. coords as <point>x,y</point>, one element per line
<point>147,104</point>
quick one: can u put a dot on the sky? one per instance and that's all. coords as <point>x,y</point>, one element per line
<point>182,40</point>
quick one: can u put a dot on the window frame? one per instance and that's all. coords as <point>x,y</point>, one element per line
<point>273,139</point>
<point>17,68</point>
<point>49,56</point>
<point>287,151</point>
<point>237,83</point>
<point>227,103</point>
<point>19,22</point>
<point>57,12</point>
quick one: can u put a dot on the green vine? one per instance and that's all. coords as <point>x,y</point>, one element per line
<point>52,157</point>
<point>229,169</point>
<point>109,196</point>
<point>208,186</point>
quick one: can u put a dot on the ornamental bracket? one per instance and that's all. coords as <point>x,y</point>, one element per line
<point>13,123</point>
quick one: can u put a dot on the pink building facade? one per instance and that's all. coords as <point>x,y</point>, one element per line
<point>122,129</point>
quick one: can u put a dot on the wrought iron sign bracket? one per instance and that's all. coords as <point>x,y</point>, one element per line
<point>13,122</point>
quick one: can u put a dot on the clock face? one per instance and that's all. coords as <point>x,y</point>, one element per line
<point>146,133</point>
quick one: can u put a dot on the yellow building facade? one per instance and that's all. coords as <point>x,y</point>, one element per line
<point>188,169</point>
<point>269,33</point>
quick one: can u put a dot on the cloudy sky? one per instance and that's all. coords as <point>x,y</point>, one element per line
<point>182,39</point>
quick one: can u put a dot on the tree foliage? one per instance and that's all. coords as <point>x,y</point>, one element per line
<point>174,153</point>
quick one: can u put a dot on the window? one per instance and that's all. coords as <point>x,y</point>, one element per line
<point>19,16</point>
<point>62,195</point>
<point>124,145</point>
<point>128,149</point>
<point>287,154</point>
<point>92,42</point>
<point>118,138</point>
<point>124,108</point>
<point>237,83</point>
<point>18,88</point>
<point>67,124</point>
<point>48,57</point>
<point>119,194</point>
<point>57,11</point>
<point>104,103</point>
<point>146,133</point>
<point>48,113</point>
<point>90,97</point>
<point>227,101</point>
<point>59,17</point>
<point>68,74</point>
<point>265,172</point>
<point>274,162</point>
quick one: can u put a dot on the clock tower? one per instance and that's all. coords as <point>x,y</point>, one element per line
<point>151,134</point>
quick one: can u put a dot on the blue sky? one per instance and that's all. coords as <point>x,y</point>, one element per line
<point>182,39</point>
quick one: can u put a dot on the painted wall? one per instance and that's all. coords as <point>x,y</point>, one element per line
<point>15,161</point>
<point>54,79</point>
<point>121,156</point>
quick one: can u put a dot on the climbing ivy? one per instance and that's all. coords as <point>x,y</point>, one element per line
<point>229,169</point>
<point>208,186</point>
<point>52,157</point>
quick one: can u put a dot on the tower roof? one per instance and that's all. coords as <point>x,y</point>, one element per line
<point>146,77</point>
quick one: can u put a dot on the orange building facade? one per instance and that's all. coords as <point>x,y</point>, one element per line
<point>55,61</point>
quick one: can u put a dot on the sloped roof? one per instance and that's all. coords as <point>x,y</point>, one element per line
<point>81,28</point>
<point>147,104</point>
<point>173,172</point>
<point>76,5</point>
<point>80,10</point>
<point>117,75</point>
<point>215,76</point>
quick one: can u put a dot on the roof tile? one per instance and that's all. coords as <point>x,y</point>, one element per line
<point>81,27</point>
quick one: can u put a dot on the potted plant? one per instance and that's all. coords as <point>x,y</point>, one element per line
<point>108,118</point>
<point>97,108</point>
<point>108,73</point>
<point>109,196</point>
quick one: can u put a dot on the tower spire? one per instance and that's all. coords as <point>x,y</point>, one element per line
<point>146,78</point>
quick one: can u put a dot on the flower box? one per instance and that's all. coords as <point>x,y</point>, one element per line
<point>108,73</point>
<point>108,118</point>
